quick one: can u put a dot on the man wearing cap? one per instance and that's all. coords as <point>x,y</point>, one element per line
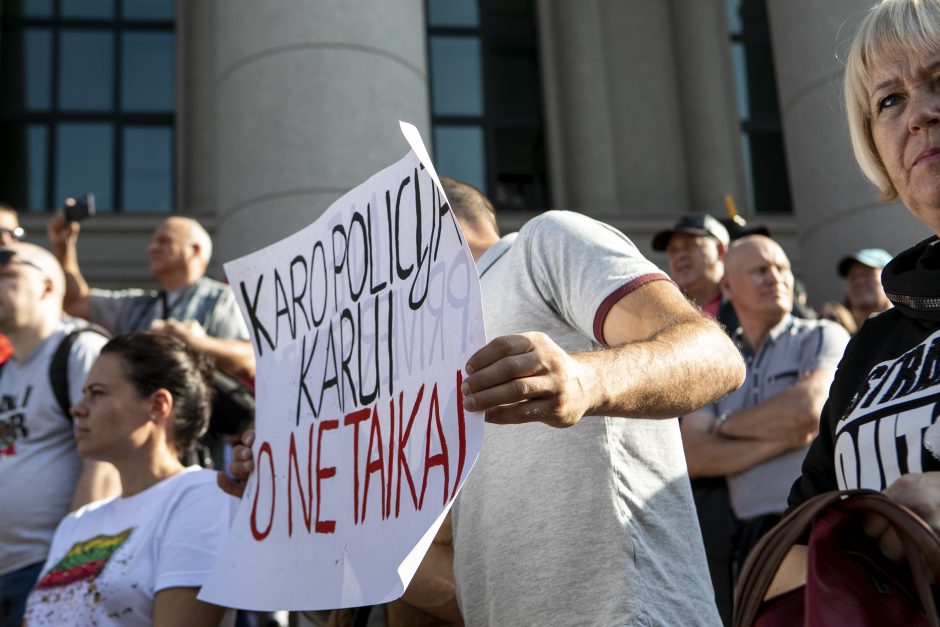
<point>694,249</point>
<point>864,295</point>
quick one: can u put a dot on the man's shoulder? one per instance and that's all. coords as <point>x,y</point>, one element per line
<point>562,233</point>
<point>131,293</point>
<point>207,287</point>
<point>72,343</point>
<point>814,343</point>
<point>84,337</point>
<point>561,222</point>
<point>77,334</point>
<point>825,328</point>
<point>208,283</point>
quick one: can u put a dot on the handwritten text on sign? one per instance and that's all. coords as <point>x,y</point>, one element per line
<point>361,324</point>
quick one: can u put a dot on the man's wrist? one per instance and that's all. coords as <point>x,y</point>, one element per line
<point>719,422</point>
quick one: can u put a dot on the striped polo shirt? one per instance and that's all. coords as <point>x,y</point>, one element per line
<point>793,347</point>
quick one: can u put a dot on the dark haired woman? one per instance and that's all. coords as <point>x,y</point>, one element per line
<point>139,559</point>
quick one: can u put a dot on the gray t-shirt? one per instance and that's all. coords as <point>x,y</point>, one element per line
<point>206,301</point>
<point>794,347</point>
<point>593,524</point>
<point>38,463</point>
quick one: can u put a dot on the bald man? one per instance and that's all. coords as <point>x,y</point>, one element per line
<point>758,435</point>
<point>41,476</point>
<point>189,306</point>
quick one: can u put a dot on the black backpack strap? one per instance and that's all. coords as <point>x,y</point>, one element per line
<point>59,366</point>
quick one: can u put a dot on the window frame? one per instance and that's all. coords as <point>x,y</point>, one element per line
<point>754,35</point>
<point>492,36</point>
<point>119,119</point>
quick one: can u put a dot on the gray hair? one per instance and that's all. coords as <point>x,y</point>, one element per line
<point>196,234</point>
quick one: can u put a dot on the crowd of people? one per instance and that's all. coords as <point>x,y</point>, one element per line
<point>628,515</point>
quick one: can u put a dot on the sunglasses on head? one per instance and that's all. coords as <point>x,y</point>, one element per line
<point>7,256</point>
<point>18,233</point>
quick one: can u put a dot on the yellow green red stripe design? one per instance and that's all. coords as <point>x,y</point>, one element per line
<point>84,561</point>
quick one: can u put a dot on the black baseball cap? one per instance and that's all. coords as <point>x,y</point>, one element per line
<point>693,224</point>
<point>738,228</point>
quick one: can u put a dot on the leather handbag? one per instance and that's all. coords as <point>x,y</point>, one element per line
<point>848,580</point>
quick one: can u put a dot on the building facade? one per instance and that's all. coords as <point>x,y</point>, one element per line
<point>254,116</point>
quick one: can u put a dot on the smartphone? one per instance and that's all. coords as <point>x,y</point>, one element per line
<point>77,209</point>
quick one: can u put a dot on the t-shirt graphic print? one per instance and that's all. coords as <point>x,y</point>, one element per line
<point>890,427</point>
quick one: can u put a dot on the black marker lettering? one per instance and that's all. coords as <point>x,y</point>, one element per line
<point>252,306</point>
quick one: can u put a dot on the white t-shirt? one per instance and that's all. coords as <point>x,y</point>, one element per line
<point>109,559</point>
<point>38,463</point>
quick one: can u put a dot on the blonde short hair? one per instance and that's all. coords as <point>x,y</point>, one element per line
<point>891,26</point>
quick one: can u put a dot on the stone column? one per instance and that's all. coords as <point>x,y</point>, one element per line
<point>612,107</point>
<point>836,209</point>
<point>709,116</point>
<point>308,98</point>
<point>196,111</point>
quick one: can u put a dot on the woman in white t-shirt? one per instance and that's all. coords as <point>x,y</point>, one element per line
<point>139,559</point>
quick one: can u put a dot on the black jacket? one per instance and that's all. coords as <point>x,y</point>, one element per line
<point>879,421</point>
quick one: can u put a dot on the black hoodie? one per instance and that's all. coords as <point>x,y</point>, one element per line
<point>880,420</point>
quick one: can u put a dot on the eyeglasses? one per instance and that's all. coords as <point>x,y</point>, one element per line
<point>18,233</point>
<point>7,255</point>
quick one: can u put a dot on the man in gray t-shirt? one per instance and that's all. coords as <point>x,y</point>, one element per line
<point>580,511</point>
<point>758,435</point>
<point>193,308</point>
<point>583,516</point>
<point>41,476</point>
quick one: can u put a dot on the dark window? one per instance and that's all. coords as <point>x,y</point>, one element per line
<point>87,102</point>
<point>756,86</point>
<point>486,104</point>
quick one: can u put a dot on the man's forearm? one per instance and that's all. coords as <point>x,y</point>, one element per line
<point>75,302</point>
<point>710,455</point>
<point>676,371</point>
<point>232,356</point>
<point>665,358</point>
<point>789,414</point>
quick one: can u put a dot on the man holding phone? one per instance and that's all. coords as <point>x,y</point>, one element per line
<point>190,306</point>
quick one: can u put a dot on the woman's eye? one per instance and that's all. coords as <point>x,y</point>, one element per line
<point>889,101</point>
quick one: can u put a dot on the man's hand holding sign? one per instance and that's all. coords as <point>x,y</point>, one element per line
<point>361,324</point>
<point>529,378</point>
<point>581,285</point>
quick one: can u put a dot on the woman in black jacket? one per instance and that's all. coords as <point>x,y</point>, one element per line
<point>879,428</point>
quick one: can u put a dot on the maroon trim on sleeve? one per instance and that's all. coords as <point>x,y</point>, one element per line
<point>615,296</point>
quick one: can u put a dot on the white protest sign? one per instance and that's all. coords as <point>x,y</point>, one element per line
<point>361,325</point>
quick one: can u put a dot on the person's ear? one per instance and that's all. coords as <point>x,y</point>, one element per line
<point>48,288</point>
<point>161,405</point>
<point>725,286</point>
